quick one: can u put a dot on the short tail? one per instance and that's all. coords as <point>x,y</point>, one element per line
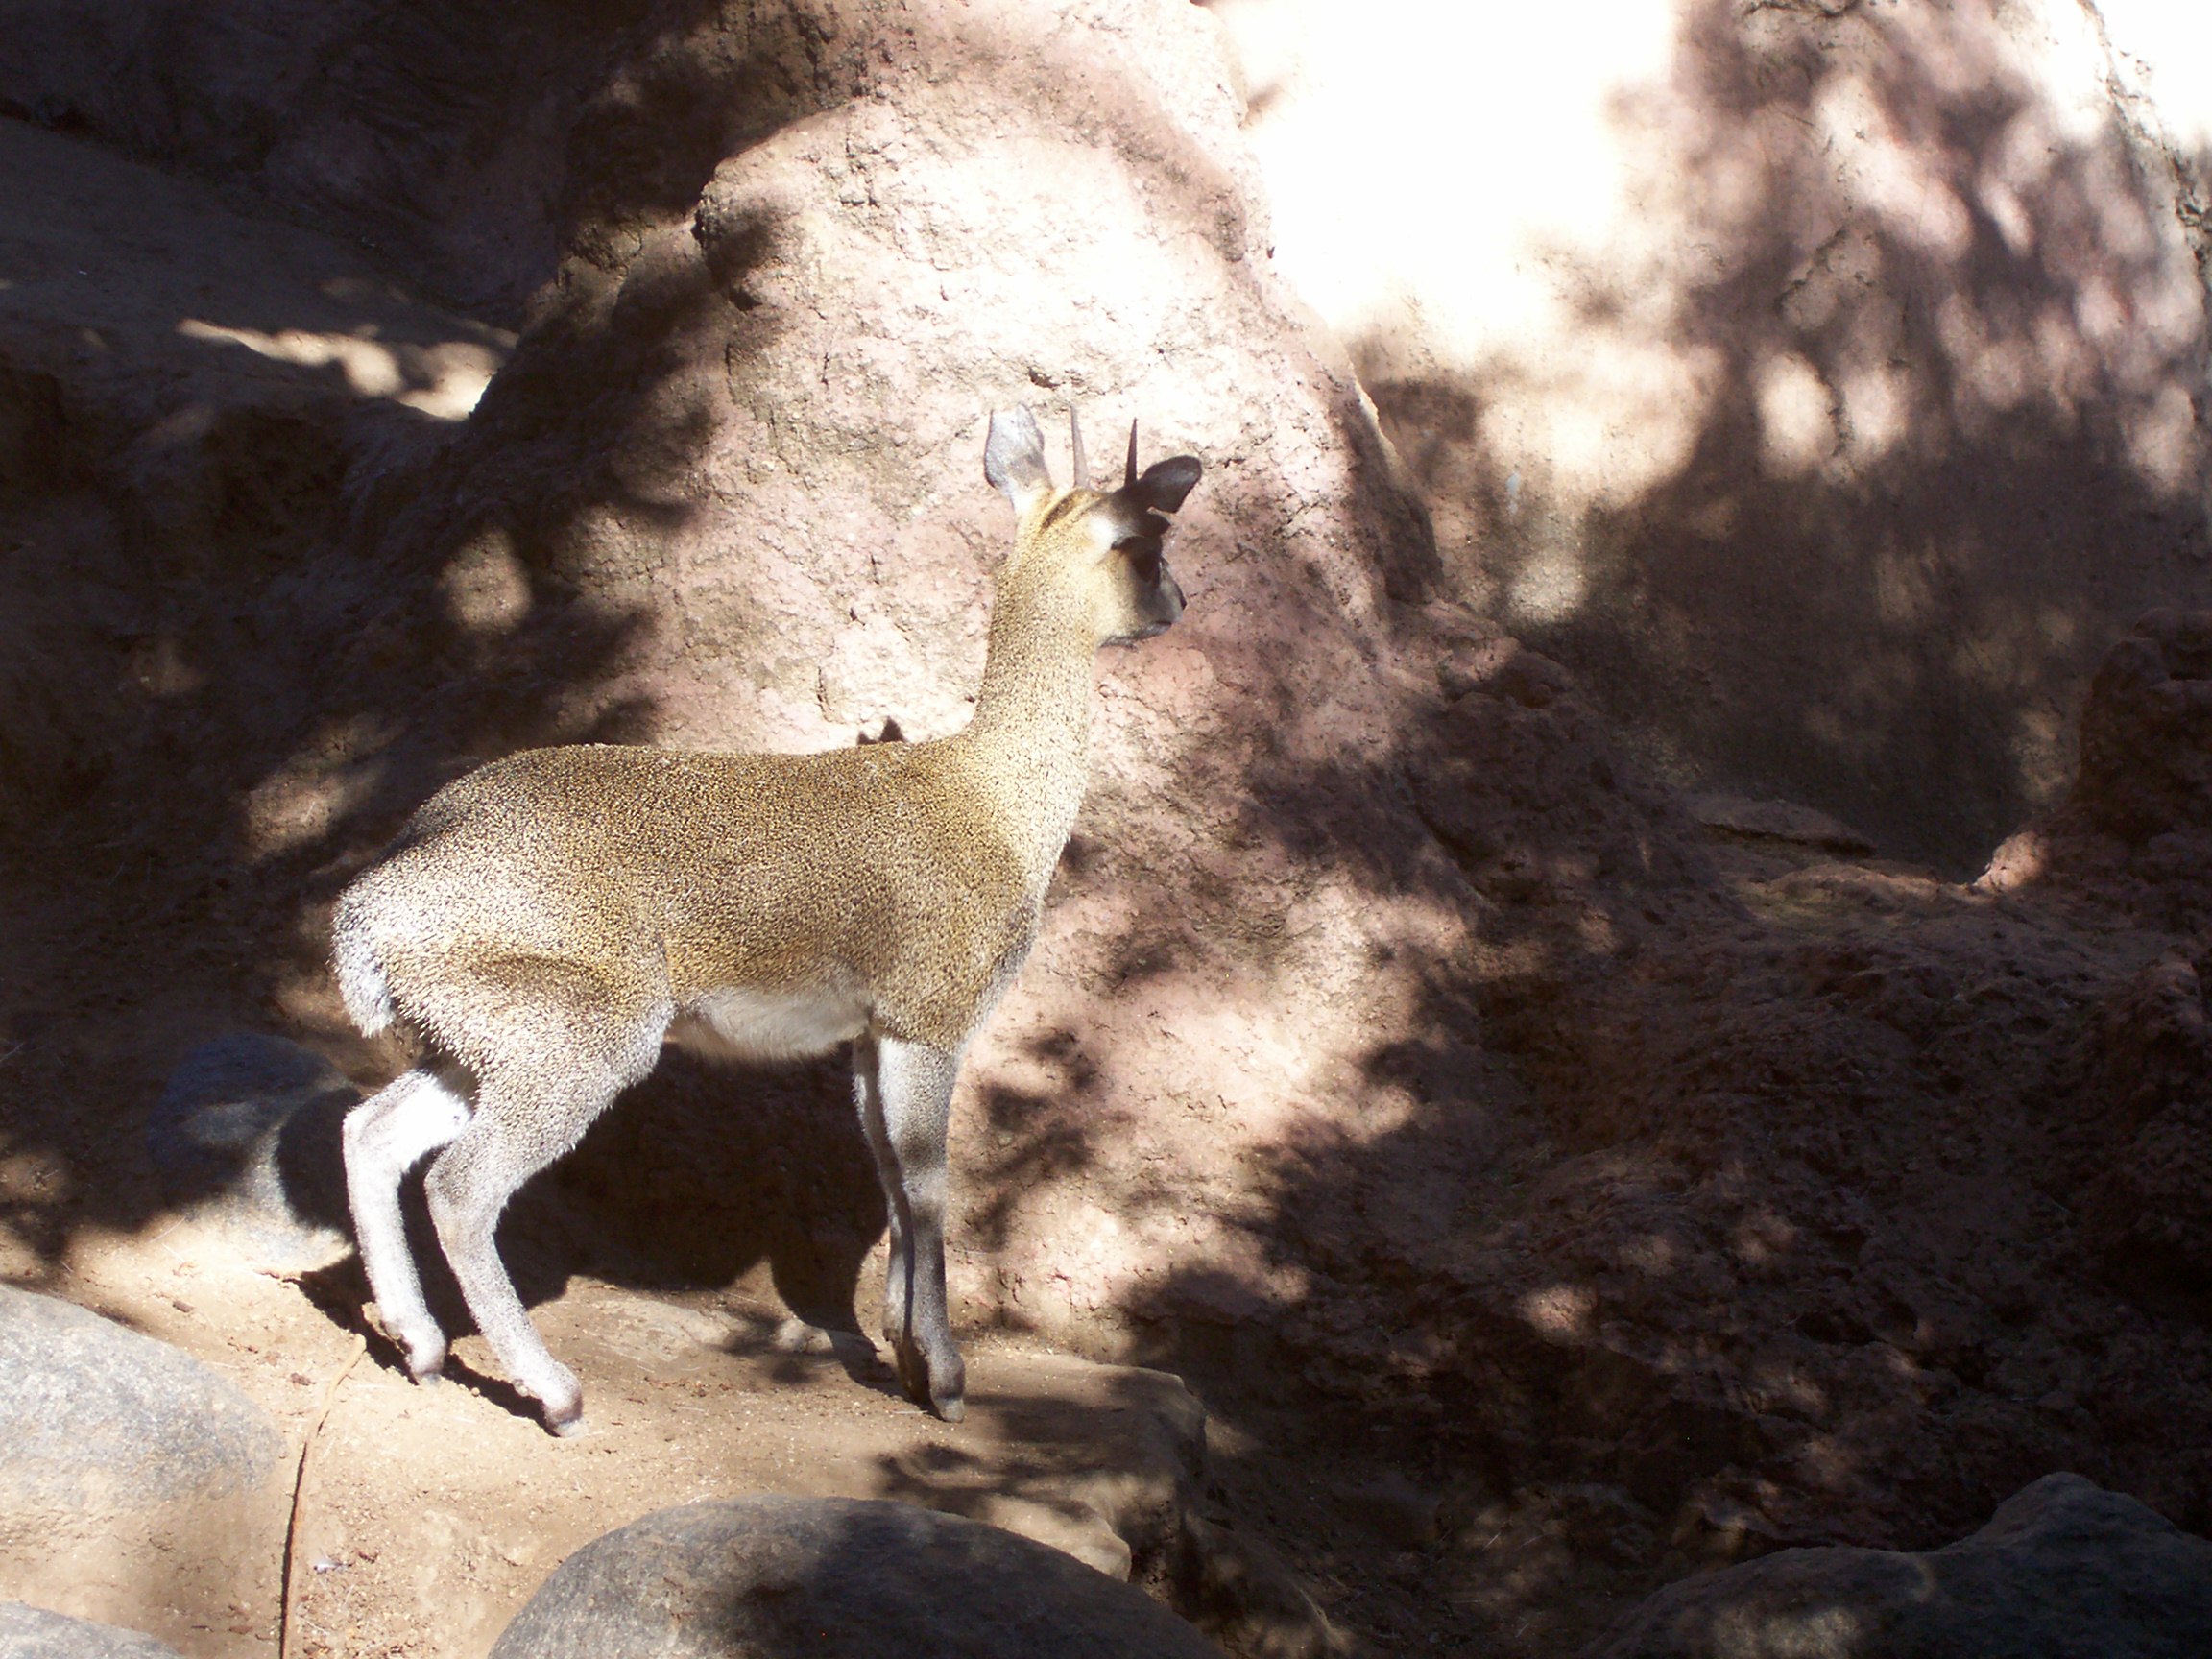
<point>361,980</point>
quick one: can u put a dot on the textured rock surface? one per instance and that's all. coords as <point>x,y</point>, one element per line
<point>246,1136</point>
<point>2135,828</point>
<point>748,435</point>
<point>833,1579</point>
<point>33,1634</point>
<point>138,1487</point>
<point>2063,1570</point>
<point>2146,731</point>
<point>97,1417</point>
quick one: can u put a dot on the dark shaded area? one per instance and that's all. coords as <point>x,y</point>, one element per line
<point>471,145</point>
<point>705,1171</point>
<point>251,644</point>
<point>2062,1568</point>
<point>250,1124</point>
<point>1943,459</point>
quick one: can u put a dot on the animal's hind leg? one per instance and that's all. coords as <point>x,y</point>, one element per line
<point>517,1130</point>
<point>384,1138</point>
<point>559,1041</point>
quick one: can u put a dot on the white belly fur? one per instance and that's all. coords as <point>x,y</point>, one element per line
<point>769,1026</point>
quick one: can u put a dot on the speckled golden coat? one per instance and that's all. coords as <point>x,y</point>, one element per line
<point>548,919</point>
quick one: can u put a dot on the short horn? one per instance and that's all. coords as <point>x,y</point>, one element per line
<point>1082,479</point>
<point>1129,474</point>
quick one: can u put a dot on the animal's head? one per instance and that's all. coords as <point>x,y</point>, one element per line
<point>1104,547</point>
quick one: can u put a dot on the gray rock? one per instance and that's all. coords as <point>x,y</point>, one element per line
<point>245,1137</point>
<point>2063,1569</point>
<point>834,1578</point>
<point>93,1416</point>
<point>33,1634</point>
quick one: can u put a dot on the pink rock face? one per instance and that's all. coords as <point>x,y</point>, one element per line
<point>758,433</point>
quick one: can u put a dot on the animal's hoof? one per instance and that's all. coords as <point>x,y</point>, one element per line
<point>429,1378</point>
<point>947,1390</point>
<point>560,1401</point>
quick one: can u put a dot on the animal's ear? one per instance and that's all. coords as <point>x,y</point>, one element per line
<point>1166,482</point>
<point>1013,458</point>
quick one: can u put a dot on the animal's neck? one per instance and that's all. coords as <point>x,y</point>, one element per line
<point>1031,733</point>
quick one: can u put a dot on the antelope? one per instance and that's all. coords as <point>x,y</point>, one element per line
<point>544,924</point>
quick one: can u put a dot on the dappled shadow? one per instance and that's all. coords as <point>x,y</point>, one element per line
<point>454,146</point>
<point>279,601</point>
<point>1938,352</point>
<point>269,604</point>
<point>1706,1204</point>
<point>1598,1191</point>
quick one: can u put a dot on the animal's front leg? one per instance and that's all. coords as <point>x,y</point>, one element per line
<point>868,1096</point>
<point>914,1082</point>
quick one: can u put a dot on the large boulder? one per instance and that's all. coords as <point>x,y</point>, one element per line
<point>834,1578</point>
<point>746,437</point>
<point>2064,1570</point>
<point>123,1449</point>
<point>95,1416</point>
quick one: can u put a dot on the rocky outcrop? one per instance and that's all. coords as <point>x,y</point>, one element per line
<point>1395,1039</point>
<point>2145,765</point>
<point>1831,482</point>
<point>746,440</point>
<point>2062,1570</point>
<point>2135,828</point>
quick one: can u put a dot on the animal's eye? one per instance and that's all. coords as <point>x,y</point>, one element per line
<point>1143,555</point>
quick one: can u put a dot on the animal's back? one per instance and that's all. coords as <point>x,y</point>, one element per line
<point>698,871</point>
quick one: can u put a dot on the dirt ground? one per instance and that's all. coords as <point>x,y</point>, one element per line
<point>433,1513</point>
